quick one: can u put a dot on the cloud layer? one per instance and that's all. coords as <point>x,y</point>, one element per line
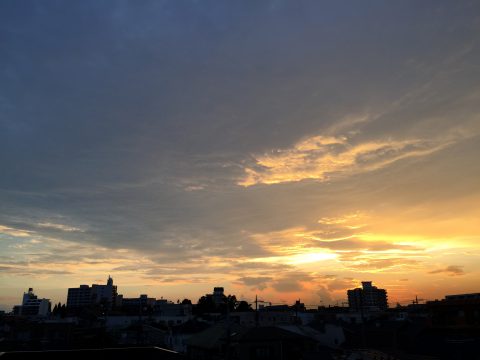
<point>289,149</point>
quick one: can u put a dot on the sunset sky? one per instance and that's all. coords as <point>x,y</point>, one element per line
<point>289,149</point>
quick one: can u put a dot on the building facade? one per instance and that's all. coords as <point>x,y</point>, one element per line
<point>368,298</point>
<point>218,295</point>
<point>79,297</point>
<point>32,305</point>
<point>86,295</point>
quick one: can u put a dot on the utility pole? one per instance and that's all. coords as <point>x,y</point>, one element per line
<point>256,310</point>
<point>228,331</point>
<point>297,304</point>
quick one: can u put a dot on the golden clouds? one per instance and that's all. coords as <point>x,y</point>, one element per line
<point>320,157</point>
<point>385,244</point>
<point>31,254</point>
<point>356,252</point>
<point>355,243</point>
<point>60,227</point>
<point>14,232</point>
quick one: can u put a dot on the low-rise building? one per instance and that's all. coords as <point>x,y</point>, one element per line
<point>461,310</point>
<point>141,304</point>
<point>168,308</point>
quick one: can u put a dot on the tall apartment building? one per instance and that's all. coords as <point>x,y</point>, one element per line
<point>368,298</point>
<point>79,297</point>
<point>85,295</point>
<point>218,295</point>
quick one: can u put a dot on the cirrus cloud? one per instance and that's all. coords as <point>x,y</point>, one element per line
<point>320,158</point>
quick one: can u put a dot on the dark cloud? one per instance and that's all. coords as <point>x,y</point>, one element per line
<point>452,270</point>
<point>32,271</point>
<point>181,280</point>
<point>325,296</point>
<point>380,263</point>
<point>287,285</point>
<point>260,282</point>
<point>357,244</point>
<point>292,282</point>
<point>341,284</point>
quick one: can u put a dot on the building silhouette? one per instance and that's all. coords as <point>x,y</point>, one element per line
<point>368,298</point>
<point>32,305</point>
<point>218,295</point>
<point>85,295</point>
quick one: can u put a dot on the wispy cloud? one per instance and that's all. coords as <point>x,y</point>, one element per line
<point>452,270</point>
<point>320,158</point>
<point>14,232</point>
<point>61,227</point>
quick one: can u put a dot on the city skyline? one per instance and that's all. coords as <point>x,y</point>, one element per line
<point>365,296</point>
<point>285,149</point>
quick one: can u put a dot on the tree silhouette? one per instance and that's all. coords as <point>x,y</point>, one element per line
<point>206,305</point>
<point>243,306</point>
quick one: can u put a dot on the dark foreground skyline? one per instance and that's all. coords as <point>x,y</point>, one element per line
<point>110,295</point>
<point>97,320</point>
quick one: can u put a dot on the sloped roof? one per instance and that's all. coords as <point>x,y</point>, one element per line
<point>270,333</point>
<point>135,352</point>
<point>301,330</point>
<point>213,336</point>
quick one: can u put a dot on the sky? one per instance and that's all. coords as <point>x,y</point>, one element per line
<point>289,149</point>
